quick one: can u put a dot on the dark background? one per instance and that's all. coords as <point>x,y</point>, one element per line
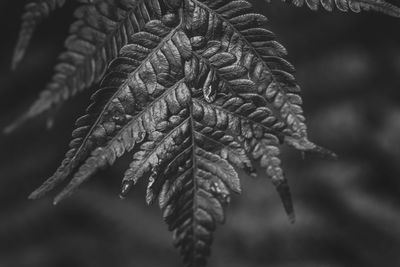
<point>348,211</point>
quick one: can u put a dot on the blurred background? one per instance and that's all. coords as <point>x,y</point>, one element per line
<point>348,210</point>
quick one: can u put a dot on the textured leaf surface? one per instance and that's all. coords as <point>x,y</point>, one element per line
<point>101,29</point>
<point>269,80</point>
<point>191,95</point>
<point>192,184</point>
<point>193,91</point>
<point>122,94</point>
<point>350,5</point>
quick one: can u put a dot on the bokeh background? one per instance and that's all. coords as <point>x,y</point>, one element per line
<point>348,210</point>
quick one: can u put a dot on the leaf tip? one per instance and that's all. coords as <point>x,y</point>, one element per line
<point>10,129</point>
<point>304,145</point>
<point>66,192</point>
<point>38,193</point>
<point>286,198</point>
<point>59,198</point>
<point>125,189</point>
<point>326,152</point>
<point>14,125</point>
<point>33,196</point>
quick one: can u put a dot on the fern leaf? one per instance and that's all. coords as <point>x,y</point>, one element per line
<point>246,74</point>
<point>101,29</point>
<point>191,183</point>
<point>256,140</point>
<point>35,12</point>
<point>196,91</point>
<point>195,202</point>
<point>143,67</point>
<point>352,5</point>
<point>240,121</point>
<point>257,85</point>
<point>271,76</point>
<point>93,128</point>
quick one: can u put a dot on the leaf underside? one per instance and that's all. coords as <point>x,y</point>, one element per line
<point>193,90</point>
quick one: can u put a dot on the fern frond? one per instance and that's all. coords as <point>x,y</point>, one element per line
<point>35,12</point>
<point>101,29</point>
<point>242,122</point>
<point>263,89</point>
<point>140,74</point>
<point>190,109</point>
<point>191,183</point>
<point>194,202</point>
<point>271,76</point>
<point>352,5</point>
<point>254,139</point>
<point>192,89</point>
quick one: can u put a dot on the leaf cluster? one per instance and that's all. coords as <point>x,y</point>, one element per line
<point>193,90</point>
